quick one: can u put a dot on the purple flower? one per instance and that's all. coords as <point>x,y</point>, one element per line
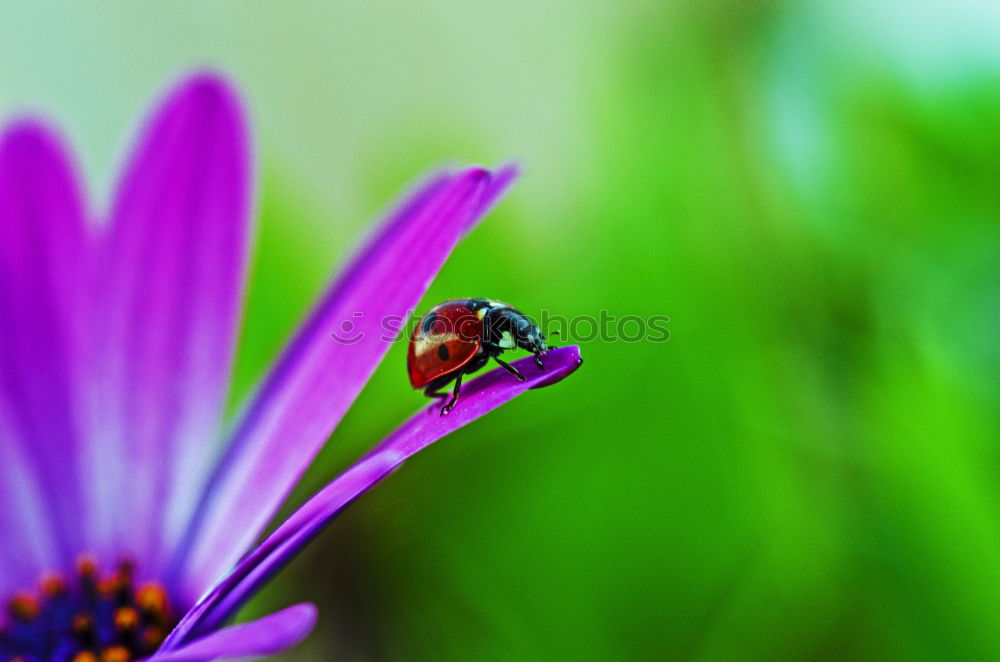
<point>121,488</point>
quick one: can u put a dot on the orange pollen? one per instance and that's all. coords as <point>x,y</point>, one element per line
<point>153,637</point>
<point>115,654</point>
<point>53,585</point>
<point>86,566</point>
<point>82,623</point>
<point>24,608</point>
<point>126,618</point>
<point>152,598</point>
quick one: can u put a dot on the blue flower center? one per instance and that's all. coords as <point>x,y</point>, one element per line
<point>94,618</point>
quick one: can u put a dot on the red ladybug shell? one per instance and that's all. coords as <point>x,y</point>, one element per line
<point>446,338</point>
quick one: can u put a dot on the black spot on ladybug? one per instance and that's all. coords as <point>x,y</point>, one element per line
<point>443,352</point>
<point>429,322</point>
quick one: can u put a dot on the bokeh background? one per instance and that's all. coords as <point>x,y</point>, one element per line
<point>806,470</point>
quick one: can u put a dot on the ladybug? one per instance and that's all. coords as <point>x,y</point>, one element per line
<point>460,336</point>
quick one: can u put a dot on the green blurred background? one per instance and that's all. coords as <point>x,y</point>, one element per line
<point>807,470</point>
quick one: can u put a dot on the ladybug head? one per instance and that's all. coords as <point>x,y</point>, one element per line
<point>508,328</point>
<point>532,339</point>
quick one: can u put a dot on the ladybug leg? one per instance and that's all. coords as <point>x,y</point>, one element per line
<point>454,395</point>
<point>435,394</point>
<point>433,389</point>
<point>511,369</point>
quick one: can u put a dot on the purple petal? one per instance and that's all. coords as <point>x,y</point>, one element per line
<point>176,258</point>
<point>28,548</point>
<point>266,636</point>
<point>501,181</point>
<point>318,377</point>
<point>479,396</point>
<point>42,236</point>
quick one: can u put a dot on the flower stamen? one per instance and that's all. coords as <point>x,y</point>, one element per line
<point>94,619</point>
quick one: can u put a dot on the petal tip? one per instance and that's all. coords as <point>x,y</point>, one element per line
<point>508,172</point>
<point>208,93</point>
<point>500,180</point>
<point>206,84</point>
<point>568,361</point>
<point>308,610</point>
<point>29,133</point>
<point>475,174</point>
<point>304,615</point>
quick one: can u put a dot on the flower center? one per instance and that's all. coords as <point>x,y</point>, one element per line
<point>95,618</point>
